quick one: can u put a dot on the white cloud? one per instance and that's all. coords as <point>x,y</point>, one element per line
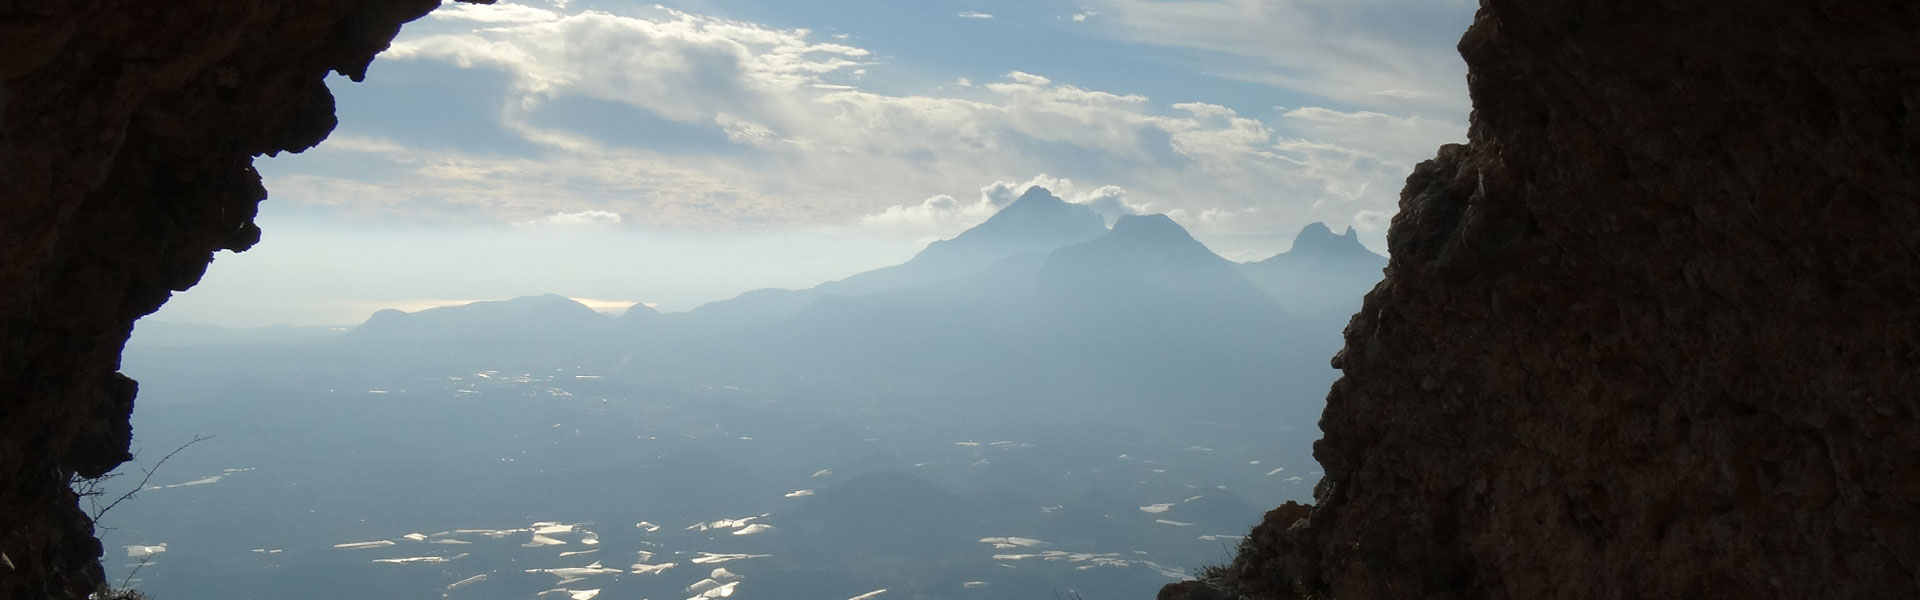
<point>943,216</point>
<point>1371,220</point>
<point>1081,17</point>
<point>975,15</point>
<point>1405,94</point>
<point>367,144</point>
<point>1360,157</point>
<point>585,218</point>
<point>802,142</point>
<point>940,216</point>
<point>503,12</point>
<point>680,66</point>
<point>1372,53</point>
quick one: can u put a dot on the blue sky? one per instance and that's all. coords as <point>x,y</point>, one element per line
<point>683,152</point>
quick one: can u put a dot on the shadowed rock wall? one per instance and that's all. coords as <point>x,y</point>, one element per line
<point>127,131</point>
<point>1654,332</point>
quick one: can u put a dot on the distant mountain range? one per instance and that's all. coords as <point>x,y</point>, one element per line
<point>1041,301</point>
<point>1036,223</point>
<point>548,317</point>
<point>1322,272</point>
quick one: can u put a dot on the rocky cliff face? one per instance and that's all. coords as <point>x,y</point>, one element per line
<point>127,131</point>
<point>1653,333</point>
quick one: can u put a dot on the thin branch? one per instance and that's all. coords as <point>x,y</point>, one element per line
<point>100,512</point>
<point>136,570</point>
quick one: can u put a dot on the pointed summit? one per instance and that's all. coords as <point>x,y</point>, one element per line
<point>1037,222</point>
<point>1317,241</point>
<point>1037,195</point>
<point>1150,226</point>
<point>1321,272</point>
<point>1037,218</point>
<point>1154,238</point>
<point>1149,274</point>
<point>1138,245</point>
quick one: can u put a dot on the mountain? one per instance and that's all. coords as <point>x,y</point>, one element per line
<point>640,315</point>
<point>1119,324</point>
<point>1155,314</point>
<point>1037,222</point>
<point>1322,272</point>
<point>547,318</point>
<point>1148,266</point>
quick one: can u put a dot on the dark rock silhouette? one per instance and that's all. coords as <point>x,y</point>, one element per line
<point>127,133</point>
<point>1651,334</point>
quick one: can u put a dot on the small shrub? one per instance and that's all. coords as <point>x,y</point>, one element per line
<point>107,592</point>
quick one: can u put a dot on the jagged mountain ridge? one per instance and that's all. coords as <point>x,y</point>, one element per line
<point>1149,263</point>
<point>1137,313</point>
<point>1128,319</point>
<point>1037,221</point>
<point>1321,273</point>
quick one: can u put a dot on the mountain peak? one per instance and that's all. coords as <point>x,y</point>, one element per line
<point>1038,204</point>
<point>1037,195</point>
<point>1037,218</point>
<point>1152,237</point>
<point>1154,225</point>
<point>1316,240</point>
<point>526,314</point>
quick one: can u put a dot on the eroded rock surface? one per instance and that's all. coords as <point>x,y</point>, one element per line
<point>1653,333</point>
<point>127,131</point>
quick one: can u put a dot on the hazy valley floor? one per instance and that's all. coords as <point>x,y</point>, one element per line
<point>485,483</point>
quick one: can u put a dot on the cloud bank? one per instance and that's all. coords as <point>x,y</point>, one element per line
<point>741,126</point>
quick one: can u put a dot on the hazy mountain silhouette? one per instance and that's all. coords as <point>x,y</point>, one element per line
<point>1155,314</point>
<point>1321,272</point>
<point>547,317</point>
<point>1103,374</point>
<point>1037,222</point>
<point>1116,323</point>
<point>1040,301</point>
<point>1149,269</point>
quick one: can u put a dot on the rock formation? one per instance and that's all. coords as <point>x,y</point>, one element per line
<point>1651,333</point>
<point>1654,332</point>
<point>127,131</point>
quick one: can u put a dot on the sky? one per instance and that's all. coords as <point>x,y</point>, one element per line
<point>680,153</point>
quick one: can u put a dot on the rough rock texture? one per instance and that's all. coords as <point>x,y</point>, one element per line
<point>1654,332</point>
<point>127,131</point>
